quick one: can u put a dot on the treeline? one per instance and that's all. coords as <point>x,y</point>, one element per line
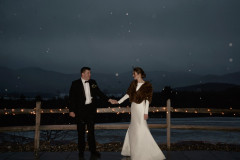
<point>179,99</point>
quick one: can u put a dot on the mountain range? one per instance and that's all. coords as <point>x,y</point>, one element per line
<point>36,80</point>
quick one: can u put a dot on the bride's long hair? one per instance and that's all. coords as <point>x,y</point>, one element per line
<point>139,70</point>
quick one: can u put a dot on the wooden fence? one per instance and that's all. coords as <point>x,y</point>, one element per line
<point>168,109</point>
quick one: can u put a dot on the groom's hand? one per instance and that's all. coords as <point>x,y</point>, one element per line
<point>110,101</point>
<point>72,114</point>
<point>113,101</point>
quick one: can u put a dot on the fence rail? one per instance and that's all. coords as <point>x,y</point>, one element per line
<point>168,109</point>
<point>123,110</point>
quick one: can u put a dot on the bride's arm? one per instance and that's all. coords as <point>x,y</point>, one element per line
<point>146,107</point>
<point>126,96</point>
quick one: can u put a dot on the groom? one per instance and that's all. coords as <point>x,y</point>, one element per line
<point>82,105</point>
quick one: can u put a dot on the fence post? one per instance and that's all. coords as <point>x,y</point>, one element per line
<point>168,115</point>
<point>37,128</point>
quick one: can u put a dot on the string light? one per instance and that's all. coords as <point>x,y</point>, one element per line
<point>117,110</point>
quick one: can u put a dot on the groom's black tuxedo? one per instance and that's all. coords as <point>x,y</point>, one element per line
<point>85,113</point>
<point>77,99</point>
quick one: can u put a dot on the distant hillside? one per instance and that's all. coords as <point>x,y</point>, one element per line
<point>208,87</point>
<point>232,78</point>
<point>36,80</point>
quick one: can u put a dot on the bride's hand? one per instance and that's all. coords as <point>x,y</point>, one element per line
<point>115,101</point>
<point>145,116</point>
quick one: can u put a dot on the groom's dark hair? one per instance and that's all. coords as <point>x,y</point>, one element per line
<point>83,69</point>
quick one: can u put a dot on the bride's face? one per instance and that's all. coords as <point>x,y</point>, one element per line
<point>136,76</point>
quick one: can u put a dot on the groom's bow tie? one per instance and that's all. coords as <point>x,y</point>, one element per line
<point>86,81</point>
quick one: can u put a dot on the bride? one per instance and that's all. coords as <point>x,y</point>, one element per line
<point>139,143</point>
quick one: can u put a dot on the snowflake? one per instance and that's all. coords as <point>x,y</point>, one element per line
<point>154,16</point>
<point>47,50</point>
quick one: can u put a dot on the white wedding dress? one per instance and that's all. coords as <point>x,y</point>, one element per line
<point>139,143</point>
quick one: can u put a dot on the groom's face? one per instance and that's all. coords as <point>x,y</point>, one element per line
<point>86,75</point>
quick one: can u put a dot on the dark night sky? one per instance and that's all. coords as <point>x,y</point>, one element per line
<point>111,36</point>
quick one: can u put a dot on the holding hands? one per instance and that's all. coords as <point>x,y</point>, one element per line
<point>113,101</point>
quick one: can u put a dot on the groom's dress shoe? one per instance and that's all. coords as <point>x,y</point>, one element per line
<point>96,154</point>
<point>81,156</point>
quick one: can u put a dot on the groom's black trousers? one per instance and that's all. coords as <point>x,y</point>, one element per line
<point>87,120</point>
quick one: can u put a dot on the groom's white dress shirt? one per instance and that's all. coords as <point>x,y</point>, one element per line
<point>87,92</point>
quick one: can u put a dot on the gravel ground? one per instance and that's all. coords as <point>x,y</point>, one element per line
<point>64,146</point>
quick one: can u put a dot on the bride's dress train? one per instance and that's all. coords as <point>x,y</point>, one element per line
<point>138,142</point>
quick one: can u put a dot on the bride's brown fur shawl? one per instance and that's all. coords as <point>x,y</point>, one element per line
<point>143,93</point>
